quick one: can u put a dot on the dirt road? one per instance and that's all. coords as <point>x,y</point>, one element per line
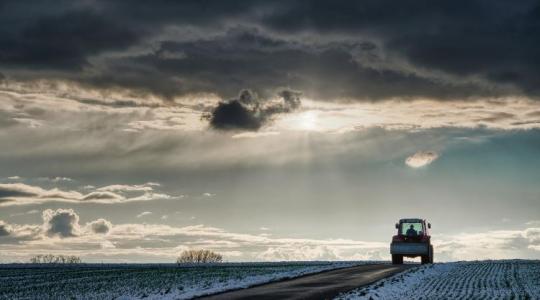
<point>323,285</point>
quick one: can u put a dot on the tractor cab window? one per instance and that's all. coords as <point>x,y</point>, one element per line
<point>411,229</point>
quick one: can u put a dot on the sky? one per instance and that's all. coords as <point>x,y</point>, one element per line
<point>268,130</point>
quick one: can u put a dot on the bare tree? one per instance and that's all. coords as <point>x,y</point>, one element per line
<point>73,260</point>
<point>52,259</point>
<point>199,256</point>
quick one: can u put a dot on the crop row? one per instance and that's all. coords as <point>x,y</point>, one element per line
<point>505,279</point>
<point>138,282</point>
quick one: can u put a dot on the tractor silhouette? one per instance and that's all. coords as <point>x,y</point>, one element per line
<point>412,240</point>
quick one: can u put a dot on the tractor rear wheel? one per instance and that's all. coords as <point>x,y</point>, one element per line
<point>397,259</point>
<point>428,259</point>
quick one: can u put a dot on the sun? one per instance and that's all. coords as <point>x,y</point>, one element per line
<point>306,121</point>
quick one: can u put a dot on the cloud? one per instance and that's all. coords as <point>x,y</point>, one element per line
<point>100,226</point>
<point>61,222</point>
<point>29,212</point>
<point>45,42</point>
<point>144,213</point>
<point>234,115</point>
<point>372,51</point>
<point>55,179</point>
<point>421,159</point>
<point>494,244</point>
<point>129,188</point>
<point>100,240</point>
<point>24,194</point>
<point>5,229</point>
<point>64,223</point>
<point>102,196</point>
<point>302,253</point>
<point>12,191</point>
<point>248,112</point>
<point>535,223</point>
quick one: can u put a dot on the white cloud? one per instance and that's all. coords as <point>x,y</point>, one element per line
<point>100,226</point>
<point>100,240</point>
<point>535,223</point>
<point>252,135</point>
<point>421,158</point>
<point>57,224</point>
<point>340,117</point>
<point>14,233</point>
<point>82,108</point>
<point>144,213</point>
<point>24,194</point>
<point>55,179</point>
<point>129,188</point>
<point>302,253</point>
<point>30,212</point>
<point>495,244</point>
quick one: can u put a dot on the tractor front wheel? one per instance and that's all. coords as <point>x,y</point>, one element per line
<point>397,259</point>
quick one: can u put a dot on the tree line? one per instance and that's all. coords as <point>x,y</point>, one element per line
<point>55,259</point>
<point>199,257</point>
<point>195,256</point>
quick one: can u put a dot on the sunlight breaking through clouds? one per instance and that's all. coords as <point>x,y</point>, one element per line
<point>186,114</point>
<point>215,120</point>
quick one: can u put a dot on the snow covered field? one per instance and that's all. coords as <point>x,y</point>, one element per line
<point>132,281</point>
<point>503,279</point>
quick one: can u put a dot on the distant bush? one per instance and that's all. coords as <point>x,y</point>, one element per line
<point>199,256</point>
<point>55,259</point>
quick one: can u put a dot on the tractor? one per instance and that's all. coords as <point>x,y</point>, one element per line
<point>412,240</point>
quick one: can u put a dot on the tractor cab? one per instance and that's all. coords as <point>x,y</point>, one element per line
<point>412,229</point>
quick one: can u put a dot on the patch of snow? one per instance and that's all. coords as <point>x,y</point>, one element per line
<point>148,281</point>
<point>500,279</point>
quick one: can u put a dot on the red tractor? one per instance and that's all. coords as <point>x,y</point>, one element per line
<point>412,240</point>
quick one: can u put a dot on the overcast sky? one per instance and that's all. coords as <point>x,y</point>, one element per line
<point>268,130</point>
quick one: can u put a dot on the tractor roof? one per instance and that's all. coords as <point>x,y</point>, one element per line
<point>411,220</point>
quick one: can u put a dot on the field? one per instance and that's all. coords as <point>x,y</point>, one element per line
<point>136,281</point>
<point>505,279</point>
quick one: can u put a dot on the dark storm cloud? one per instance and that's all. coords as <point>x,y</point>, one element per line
<point>358,49</point>
<point>291,98</point>
<point>246,57</point>
<point>63,41</point>
<point>495,40</point>
<point>249,112</point>
<point>235,114</point>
